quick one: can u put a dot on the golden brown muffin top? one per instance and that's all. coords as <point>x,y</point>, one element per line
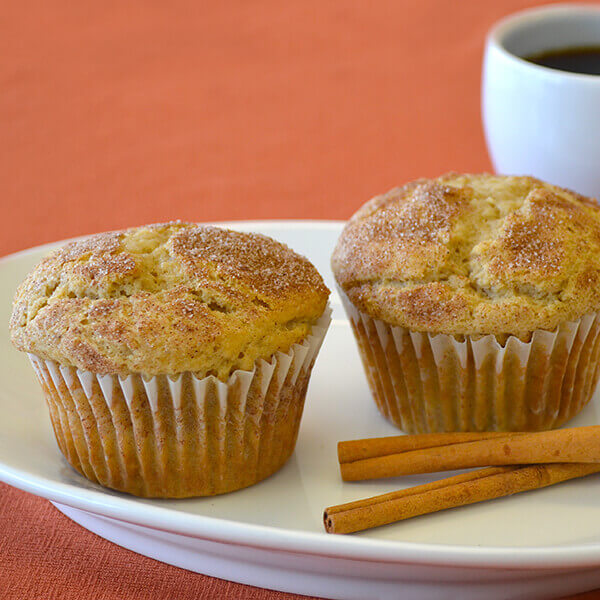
<point>167,298</point>
<point>468,254</point>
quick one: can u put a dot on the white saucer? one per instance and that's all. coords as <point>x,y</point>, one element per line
<point>542,544</point>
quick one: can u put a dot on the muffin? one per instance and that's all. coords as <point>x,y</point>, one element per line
<point>474,302</point>
<point>174,358</point>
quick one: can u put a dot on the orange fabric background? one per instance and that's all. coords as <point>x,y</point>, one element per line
<point>119,113</point>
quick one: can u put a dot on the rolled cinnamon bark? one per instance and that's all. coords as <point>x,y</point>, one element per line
<point>460,490</point>
<point>575,445</point>
<point>352,450</point>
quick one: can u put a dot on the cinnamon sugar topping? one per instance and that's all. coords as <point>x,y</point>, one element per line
<point>167,298</point>
<point>473,254</point>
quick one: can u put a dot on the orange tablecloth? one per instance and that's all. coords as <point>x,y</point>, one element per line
<point>119,113</point>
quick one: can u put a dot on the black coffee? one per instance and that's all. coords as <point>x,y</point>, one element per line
<point>583,59</point>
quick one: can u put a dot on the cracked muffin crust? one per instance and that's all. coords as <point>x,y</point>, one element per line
<point>473,254</point>
<point>167,298</point>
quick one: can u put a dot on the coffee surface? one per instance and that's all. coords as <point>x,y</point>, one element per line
<point>584,59</point>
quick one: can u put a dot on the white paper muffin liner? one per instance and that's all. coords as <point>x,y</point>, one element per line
<point>425,382</point>
<point>181,436</point>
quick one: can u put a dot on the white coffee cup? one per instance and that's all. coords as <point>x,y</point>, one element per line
<point>541,121</point>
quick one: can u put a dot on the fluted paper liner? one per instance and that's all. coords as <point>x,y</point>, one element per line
<point>424,382</point>
<point>181,436</point>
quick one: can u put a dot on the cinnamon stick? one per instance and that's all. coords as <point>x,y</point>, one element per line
<point>352,450</point>
<point>460,490</point>
<point>575,445</point>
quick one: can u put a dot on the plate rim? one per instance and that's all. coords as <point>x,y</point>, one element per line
<point>129,510</point>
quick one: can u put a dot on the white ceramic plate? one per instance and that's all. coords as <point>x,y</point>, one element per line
<point>541,544</point>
